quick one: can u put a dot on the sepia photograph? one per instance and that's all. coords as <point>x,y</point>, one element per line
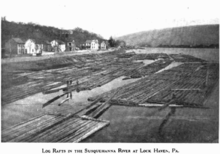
<point>109,71</point>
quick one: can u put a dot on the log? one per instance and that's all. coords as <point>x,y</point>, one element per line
<point>91,132</point>
<point>65,100</point>
<point>186,89</point>
<point>101,111</point>
<point>34,131</point>
<point>52,126</point>
<point>52,100</point>
<point>55,134</point>
<point>44,134</point>
<point>76,132</point>
<point>102,107</point>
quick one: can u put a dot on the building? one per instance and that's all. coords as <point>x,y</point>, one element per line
<point>88,44</point>
<point>30,46</point>
<point>43,45</point>
<point>15,46</point>
<point>103,45</point>
<point>47,46</point>
<point>83,46</point>
<point>54,43</point>
<point>62,47</point>
<point>94,45</point>
<point>70,46</point>
<point>33,47</point>
<point>58,46</point>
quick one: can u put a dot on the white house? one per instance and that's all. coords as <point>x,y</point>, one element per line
<point>94,45</point>
<point>62,47</point>
<point>54,43</point>
<point>58,46</point>
<point>32,48</point>
<point>103,45</point>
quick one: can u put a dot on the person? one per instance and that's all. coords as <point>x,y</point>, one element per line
<point>77,86</point>
<point>70,93</point>
<point>173,95</point>
<point>67,89</point>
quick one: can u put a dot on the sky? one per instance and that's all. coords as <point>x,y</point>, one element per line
<point>112,17</point>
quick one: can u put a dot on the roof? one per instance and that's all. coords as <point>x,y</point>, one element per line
<point>70,40</point>
<point>88,41</point>
<point>47,42</point>
<point>59,41</point>
<point>18,40</point>
<point>39,41</point>
<point>96,41</point>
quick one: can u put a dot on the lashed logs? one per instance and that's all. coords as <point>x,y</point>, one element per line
<point>102,107</point>
<point>40,125</point>
<point>67,129</point>
<point>26,128</point>
<point>40,81</point>
<point>146,90</point>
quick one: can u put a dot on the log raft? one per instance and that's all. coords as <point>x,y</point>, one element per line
<point>68,129</point>
<point>97,71</point>
<point>188,81</point>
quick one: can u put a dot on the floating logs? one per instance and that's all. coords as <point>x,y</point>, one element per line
<point>50,128</point>
<point>98,70</point>
<point>157,88</point>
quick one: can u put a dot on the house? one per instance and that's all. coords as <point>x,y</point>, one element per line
<point>62,47</point>
<point>15,46</point>
<point>58,46</point>
<point>103,45</point>
<point>43,45</point>
<point>94,45</point>
<point>33,47</point>
<point>47,46</point>
<point>70,46</point>
<point>88,44</point>
<point>83,46</point>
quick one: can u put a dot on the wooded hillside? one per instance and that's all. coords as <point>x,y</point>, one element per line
<point>36,31</point>
<point>191,36</point>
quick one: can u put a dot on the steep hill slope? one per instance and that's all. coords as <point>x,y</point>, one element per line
<point>182,36</point>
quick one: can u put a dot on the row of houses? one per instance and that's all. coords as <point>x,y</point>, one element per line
<point>94,45</point>
<point>36,46</point>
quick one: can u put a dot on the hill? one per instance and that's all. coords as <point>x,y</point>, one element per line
<point>191,36</point>
<point>36,31</point>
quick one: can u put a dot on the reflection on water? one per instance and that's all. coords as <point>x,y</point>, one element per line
<point>118,82</point>
<point>125,128</point>
<point>172,65</point>
<point>146,62</point>
<point>84,95</point>
<point>29,107</point>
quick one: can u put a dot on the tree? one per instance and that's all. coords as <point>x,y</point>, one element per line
<point>112,42</point>
<point>3,18</point>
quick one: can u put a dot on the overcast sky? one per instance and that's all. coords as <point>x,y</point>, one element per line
<point>112,17</point>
